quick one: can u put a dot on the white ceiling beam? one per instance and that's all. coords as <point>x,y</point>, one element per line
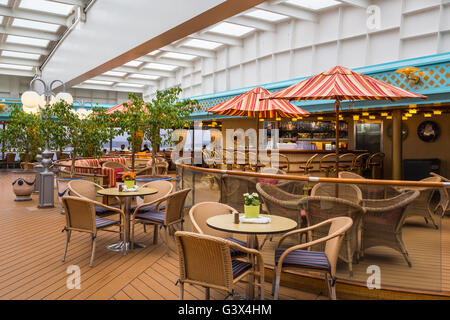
<point>231,41</point>
<point>149,72</point>
<point>24,48</point>
<point>23,32</point>
<point>33,15</point>
<point>127,80</point>
<point>80,3</point>
<point>19,61</point>
<point>107,88</point>
<point>289,11</point>
<point>356,3</point>
<point>169,61</point>
<point>193,51</point>
<point>21,73</point>
<point>254,23</point>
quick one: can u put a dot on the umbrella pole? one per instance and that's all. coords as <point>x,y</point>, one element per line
<point>257,141</point>
<point>337,103</point>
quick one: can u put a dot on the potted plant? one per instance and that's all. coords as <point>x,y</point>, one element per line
<point>128,179</point>
<point>251,205</point>
<point>23,135</point>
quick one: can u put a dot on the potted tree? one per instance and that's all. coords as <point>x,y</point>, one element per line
<point>23,134</point>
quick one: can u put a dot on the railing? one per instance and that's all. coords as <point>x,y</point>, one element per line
<point>400,235</point>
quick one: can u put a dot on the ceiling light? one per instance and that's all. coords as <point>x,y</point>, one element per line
<point>372,117</point>
<point>389,117</point>
<point>356,117</point>
<point>384,114</point>
<point>437,112</point>
<point>427,115</point>
<point>365,114</point>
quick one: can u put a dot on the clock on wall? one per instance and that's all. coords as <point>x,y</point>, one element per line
<point>428,131</point>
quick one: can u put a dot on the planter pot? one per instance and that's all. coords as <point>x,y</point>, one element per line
<point>141,180</point>
<point>251,211</point>
<point>63,189</point>
<point>129,184</point>
<point>23,185</point>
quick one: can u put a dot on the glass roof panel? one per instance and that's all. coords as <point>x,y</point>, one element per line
<point>231,29</point>
<point>47,6</point>
<point>15,67</point>
<point>1,19</point>
<point>202,44</point>
<point>180,56</point>
<point>314,4</point>
<point>27,41</point>
<point>133,63</point>
<point>104,83</point>
<point>4,2</point>
<point>266,15</point>
<point>143,76</point>
<point>154,52</point>
<point>132,85</point>
<point>159,66</point>
<point>115,73</point>
<point>22,55</point>
<point>30,24</point>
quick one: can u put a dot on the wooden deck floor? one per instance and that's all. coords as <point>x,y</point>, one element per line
<point>31,247</point>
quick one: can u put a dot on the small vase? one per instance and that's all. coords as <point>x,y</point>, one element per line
<point>251,211</point>
<point>129,184</point>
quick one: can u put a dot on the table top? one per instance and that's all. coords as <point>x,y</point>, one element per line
<point>115,192</point>
<point>225,222</point>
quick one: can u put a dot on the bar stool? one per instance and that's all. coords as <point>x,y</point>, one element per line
<point>308,166</point>
<point>375,161</point>
<point>346,157</point>
<point>359,163</point>
<point>325,167</point>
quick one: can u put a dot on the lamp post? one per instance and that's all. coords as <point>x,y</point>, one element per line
<point>33,102</point>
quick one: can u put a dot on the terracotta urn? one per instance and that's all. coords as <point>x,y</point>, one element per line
<point>23,185</point>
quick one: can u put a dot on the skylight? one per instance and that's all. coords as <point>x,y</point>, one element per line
<point>180,56</point>
<point>1,19</point>
<point>4,2</point>
<point>266,15</point>
<point>27,41</point>
<point>132,85</point>
<point>231,29</point>
<point>314,4</point>
<point>22,55</point>
<point>133,63</point>
<point>202,44</point>
<point>115,73</point>
<point>15,67</point>
<point>143,76</point>
<point>154,52</point>
<point>30,24</point>
<point>47,6</point>
<point>103,83</point>
<point>159,66</point>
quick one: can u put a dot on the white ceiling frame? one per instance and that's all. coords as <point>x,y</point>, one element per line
<point>254,23</point>
<point>231,41</point>
<point>356,3</point>
<point>20,61</point>
<point>188,50</point>
<point>30,33</point>
<point>149,72</point>
<point>33,15</point>
<point>81,3</point>
<point>107,88</point>
<point>20,73</point>
<point>169,61</point>
<point>126,80</point>
<point>290,11</point>
<point>24,48</point>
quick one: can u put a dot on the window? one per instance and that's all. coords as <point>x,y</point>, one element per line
<point>35,25</point>
<point>47,6</point>
<point>21,55</point>
<point>202,44</point>
<point>28,41</point>
<point>231,29</point>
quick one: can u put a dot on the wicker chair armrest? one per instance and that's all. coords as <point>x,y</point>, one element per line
<point>97,203</point>
<point>303,230</point>
<point>156,203</point>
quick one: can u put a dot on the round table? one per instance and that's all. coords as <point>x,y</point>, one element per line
<point>126,196</point>
<point>277,224</point>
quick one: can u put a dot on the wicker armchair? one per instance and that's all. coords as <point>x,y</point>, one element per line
<point>115,165</point>
<point>88,190</point>
<point>297,257</point>
<point>422,205</point>
<point>370,191</point>
<point>206,261</point>
<point>383,222</point>
<point>271,170</point>
<point>173,213</point>
<point>294,187</point>
<point>10,159</point>
<point>319,209</point>
<point>233,188</point>
<point>444,198</point>
<point>81,217</point>
<point>348,192</point>
<point>202,211</point>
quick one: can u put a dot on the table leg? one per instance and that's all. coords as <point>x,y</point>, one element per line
<point>251,243</point>
<point>119,246</point>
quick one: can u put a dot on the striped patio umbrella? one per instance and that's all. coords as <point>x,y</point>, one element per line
<point>251,104</point>
<point>119,107</point>
<point>340,83</point>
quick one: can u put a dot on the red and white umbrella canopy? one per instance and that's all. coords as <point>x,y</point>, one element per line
<point>119,107</point>
<point>249,104</point>
<point>341,83</point>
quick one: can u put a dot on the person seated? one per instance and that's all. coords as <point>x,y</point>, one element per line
<point>145,149</point>
<point>123,148</point>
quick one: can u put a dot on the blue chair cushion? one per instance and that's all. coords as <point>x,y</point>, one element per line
<point>234,252</point>
<point>147,208</point>
<point>101,211</point>
<point>102,222</point>
<point>239,267</point>
<point>157,216</point>
<point>304,259</point>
